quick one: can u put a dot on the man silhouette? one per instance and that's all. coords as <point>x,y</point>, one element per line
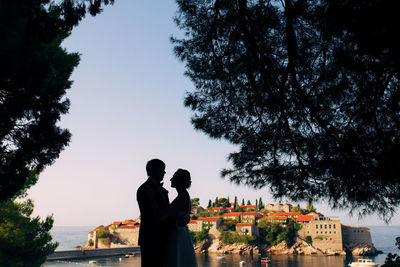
<point>152,199</point>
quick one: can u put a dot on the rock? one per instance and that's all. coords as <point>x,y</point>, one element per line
<point>364,251</point>
<point>202,247</point>
<point>300,247</point>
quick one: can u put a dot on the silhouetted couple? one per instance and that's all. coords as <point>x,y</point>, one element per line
<point>163,237</point>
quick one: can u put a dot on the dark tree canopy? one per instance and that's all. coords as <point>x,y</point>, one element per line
<point>34,77</point>
<point>24,241</point>
<point>307,90</point>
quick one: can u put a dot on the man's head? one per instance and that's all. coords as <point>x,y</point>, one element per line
<point>156,169</point>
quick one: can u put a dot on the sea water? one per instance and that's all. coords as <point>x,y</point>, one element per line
<point>69,237</point>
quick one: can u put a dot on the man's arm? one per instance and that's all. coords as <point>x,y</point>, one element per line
<point>147,196</point>
<point>184,220</point>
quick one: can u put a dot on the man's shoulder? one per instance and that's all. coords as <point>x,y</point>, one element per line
<point>145,187</point>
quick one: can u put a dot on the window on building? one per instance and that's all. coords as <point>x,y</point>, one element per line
<point>330,232</point>
<point>317,232</point>
<point>334,232</point>
<point>330,238</point>
<point>316,226</point>
<point>330,226</point>
<point>334,226</point>
<point>325,226</point>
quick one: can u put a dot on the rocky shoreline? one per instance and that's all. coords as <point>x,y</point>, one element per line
<point>213,245</point>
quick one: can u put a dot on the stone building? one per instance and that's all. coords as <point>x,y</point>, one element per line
<point>250,217</point>
<point>232,216</point>
<point>278,207</point>
<point>326,233</point>
<point>247,228</point>
<point>210,222</point>
<point>195,225</point>
<point>290,215</point>
<point>93,235</point>
<point>127,234</point>
<point>356,236</point>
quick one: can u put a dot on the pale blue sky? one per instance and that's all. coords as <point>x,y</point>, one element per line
<point>127,108</point>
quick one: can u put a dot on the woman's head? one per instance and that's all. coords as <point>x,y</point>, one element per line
<point>181,179</point>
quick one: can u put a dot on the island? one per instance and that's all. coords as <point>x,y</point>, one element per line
<point>228,228</point>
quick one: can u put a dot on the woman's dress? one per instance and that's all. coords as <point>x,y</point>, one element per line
<point>180,252</point>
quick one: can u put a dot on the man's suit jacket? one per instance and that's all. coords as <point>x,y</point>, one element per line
<point>151,196</point>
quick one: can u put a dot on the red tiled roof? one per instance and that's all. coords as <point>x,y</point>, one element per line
<point>244,224</point>
<point>195,207</point>
<point>304,218</point>
<point>208,219</point>
<point>346,225</point>
<point>232,214</point>
<point>193,221</point>
<point>217,208</point>
<point>116,223</point>
<point>96,229</point>
<point>129,221</point>
<point>271,218</point>
<point>228,208</point>
<point>297,213</point>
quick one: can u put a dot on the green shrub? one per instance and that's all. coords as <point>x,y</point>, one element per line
<point>309,240</point>
<point>318,237</point>
<point>230,237</point>
<point>103,233</point>
<point>199,236</point>
<point>273,234</point>
<point>231,224</point>
<point>90,243</point>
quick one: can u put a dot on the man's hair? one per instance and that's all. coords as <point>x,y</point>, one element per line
<point>154,164</point>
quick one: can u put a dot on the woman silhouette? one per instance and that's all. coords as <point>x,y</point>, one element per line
<point>179,252</point>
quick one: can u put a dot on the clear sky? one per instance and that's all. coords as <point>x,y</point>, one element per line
<point>127,108</point>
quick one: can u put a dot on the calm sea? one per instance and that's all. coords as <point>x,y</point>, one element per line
<point>69,237</point>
